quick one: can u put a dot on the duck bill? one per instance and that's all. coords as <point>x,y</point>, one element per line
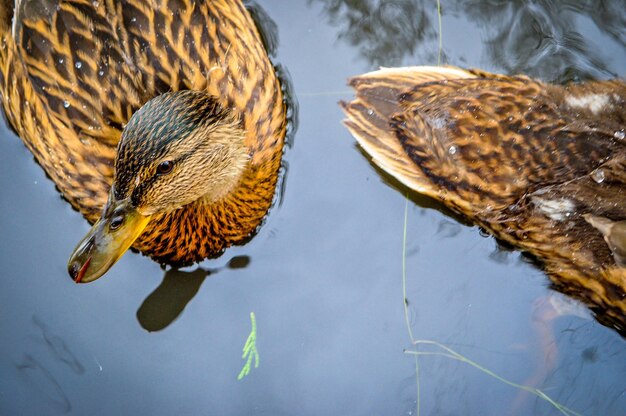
<point>107,241</point>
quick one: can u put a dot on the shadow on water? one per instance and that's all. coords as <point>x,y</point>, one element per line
<point>543,39</point>
<point>178,287</point>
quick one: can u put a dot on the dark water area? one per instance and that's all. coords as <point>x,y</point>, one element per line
<point>324,274</point>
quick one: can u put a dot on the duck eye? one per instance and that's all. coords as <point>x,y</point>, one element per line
<point>165,167</point>
<point>116,222</point>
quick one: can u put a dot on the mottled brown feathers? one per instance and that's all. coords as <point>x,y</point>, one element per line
<point>521,158</point>
<point>77,70</point>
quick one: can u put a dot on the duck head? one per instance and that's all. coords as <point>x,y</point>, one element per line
<point>177,149</point>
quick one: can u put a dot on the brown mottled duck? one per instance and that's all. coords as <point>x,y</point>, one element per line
<point>161,121</point>
<point>540,166</point>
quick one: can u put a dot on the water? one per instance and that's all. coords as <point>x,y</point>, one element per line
<point>324,275</point>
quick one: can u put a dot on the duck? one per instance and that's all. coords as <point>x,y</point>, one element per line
<point>539,166</point>
<point>162,123</point>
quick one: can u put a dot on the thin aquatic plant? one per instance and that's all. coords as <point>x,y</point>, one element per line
<point>249,350</point>
<point>450,353</point>
<point>405,301</point>
<point>440,32</point>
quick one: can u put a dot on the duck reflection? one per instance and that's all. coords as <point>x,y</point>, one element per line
<point>178,287</point>
<point>545,39</point>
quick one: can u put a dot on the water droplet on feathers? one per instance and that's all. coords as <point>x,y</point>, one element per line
<point>598,175</point>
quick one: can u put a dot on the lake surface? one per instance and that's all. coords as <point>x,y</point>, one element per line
<point>324,274</point>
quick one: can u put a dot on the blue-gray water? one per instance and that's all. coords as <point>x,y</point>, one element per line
<point>324,274</point>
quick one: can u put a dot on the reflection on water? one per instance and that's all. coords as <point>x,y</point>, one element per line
<point>383,31</point>
<point>178,287</point>
<point>544,39</point>
<point>547,38</point>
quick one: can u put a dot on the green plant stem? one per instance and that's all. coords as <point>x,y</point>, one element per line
<point>450,353</point>
<point>249,350</point>
<point>404,298</point>
<point>440,33</point>
<point>405,301</point>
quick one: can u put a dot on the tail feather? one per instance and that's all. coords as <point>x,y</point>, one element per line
<point>382,89</point>
<point>386,153</point>
<point>371,115</point>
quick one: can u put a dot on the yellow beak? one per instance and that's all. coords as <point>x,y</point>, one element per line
<point>109,238</point>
